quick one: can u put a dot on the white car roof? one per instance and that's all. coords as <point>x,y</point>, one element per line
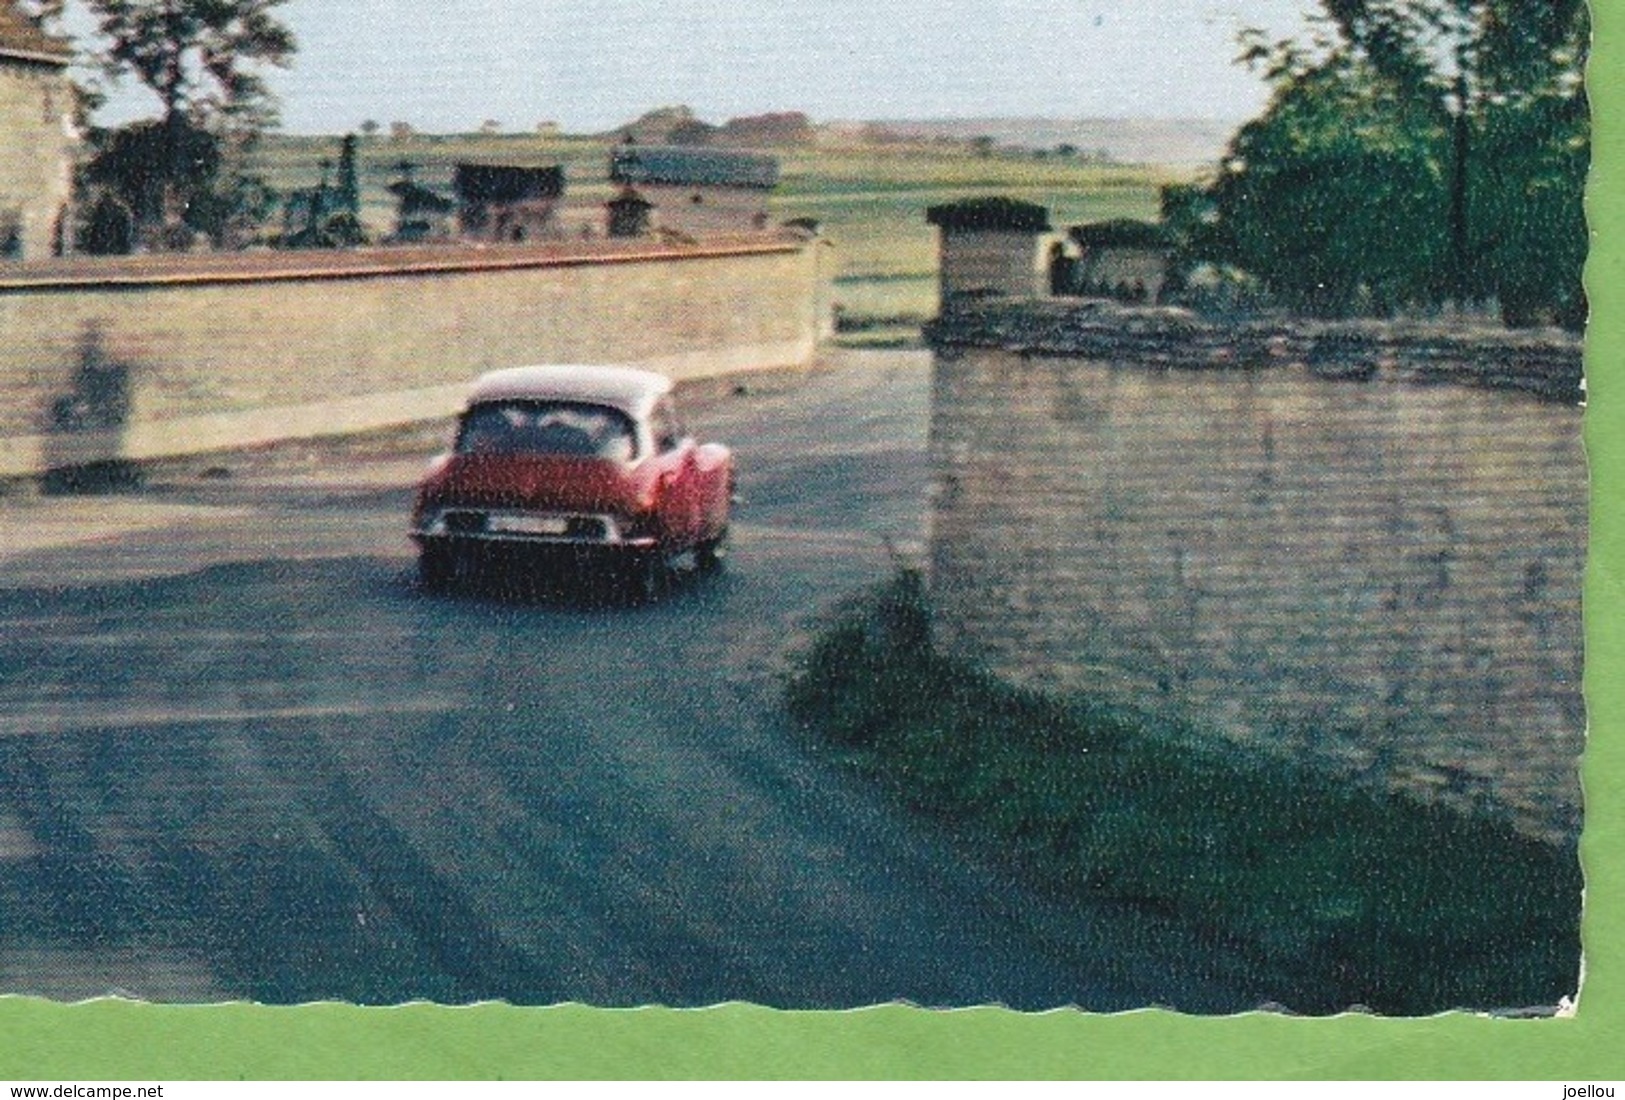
<point>627,388</point>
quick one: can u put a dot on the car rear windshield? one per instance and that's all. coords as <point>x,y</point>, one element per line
<point>568,428</point>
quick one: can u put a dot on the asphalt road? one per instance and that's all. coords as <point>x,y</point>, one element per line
<point>243,757</point>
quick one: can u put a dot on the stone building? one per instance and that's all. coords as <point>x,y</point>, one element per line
<point>36,139</point>
<point>502,202</point>
<point>629,213</point>
<point>992,246</point>
<point>697,192</point>
<point>1124,259</point>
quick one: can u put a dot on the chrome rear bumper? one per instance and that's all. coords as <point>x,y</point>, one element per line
<point>497,525</point>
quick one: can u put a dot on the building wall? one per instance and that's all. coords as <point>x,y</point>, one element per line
<point>1378,576</point>
<point>238,350</point>
<point>35,151</point>
<point>1011,263</point>
<point>1110,270</point>
<point>719,209</point>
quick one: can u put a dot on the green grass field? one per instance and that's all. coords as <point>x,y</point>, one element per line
<point>871,200</point>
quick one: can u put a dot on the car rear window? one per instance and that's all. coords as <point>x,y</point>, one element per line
<point>547,428</point>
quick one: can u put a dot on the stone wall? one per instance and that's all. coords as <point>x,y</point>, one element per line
<point>1298,537</point>
<point>1122,272</point>
<point>147,357</point>
<point>35,161</point>
<point>703,211</point>
<point>1014,263</point>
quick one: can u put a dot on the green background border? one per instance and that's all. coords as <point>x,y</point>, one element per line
<point>42,1041</point>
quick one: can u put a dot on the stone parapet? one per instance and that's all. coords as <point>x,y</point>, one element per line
<point>1544,362</point>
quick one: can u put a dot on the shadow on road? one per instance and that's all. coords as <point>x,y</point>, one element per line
<point>253,780</point>
<point>578,589</point>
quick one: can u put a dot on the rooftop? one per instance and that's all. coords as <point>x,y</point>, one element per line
<point>504,183</point>
<point>685,167</point>
<point>1121,233</point>
<point>992,212</point>
<point>21,38</point>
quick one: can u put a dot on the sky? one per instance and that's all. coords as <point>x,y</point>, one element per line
<point>592,66</point>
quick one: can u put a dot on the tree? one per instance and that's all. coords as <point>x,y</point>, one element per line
<point>347,189</point>
<point>197,56</point>
<point>46,13</point>
<point>1413,151</point>
<point>138,164</point>
<point>200,58</point>
<point>1507,75</point>
<point>1334,198</point>
<point>329,214</point>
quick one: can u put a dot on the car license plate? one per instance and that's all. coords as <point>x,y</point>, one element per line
<point>530,525</point>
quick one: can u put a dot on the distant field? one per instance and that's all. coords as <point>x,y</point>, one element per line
<point>870,200</point>
<point>1185,141</point>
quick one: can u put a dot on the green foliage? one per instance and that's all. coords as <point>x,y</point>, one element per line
<point>1336,195</point>
<point>347,189</point>
<point>1527,204</point>
<point>329,214</point>
<point>197,56</point>
<point>1411,154</point>
<point>152,168</point>
<point>990,212</point>
<point>1342,895</point>
<point>183,173</point>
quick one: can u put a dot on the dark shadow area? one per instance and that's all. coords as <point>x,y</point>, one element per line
<point>560,581</point>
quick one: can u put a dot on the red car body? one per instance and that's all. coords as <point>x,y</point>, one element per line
<point>573,465</point>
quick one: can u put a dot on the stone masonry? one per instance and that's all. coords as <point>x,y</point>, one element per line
<point>1357,545</point>
<point>134,358</point>
<point>36,138</point>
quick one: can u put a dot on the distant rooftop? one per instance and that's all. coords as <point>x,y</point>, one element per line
<point>506,183</point>
<point>415,198</point>
<point>993,212</point>
<point>681,166</point>
<point>21,38</point>
<point>1121,233</point>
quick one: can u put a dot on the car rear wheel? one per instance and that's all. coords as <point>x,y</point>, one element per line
<point>647,577</point>
<point>709,555</point>
<point>438,566</point>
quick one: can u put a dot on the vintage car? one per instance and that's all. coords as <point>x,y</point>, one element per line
<point>563,466</point>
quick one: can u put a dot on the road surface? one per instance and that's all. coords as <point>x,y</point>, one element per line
<point>242,756</point>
